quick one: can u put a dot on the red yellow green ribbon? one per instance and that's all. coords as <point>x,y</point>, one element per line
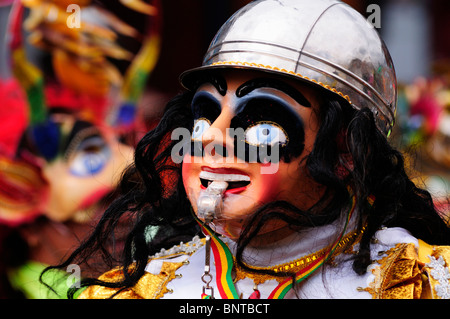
<point>281,290</point>
<point>224,266</point>
<point>224,263</point>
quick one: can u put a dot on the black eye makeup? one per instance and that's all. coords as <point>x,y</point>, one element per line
<point>205,105</point>
<point>81,130</point>
<point>90,157</point>
<point>255,84</point>
<point>87,151</point>
<point>268,121</point>
<point>205,110</point>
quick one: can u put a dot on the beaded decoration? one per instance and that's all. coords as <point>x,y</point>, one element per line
<point>274,68</point>
<point>440,273</point>
<point>187,248</point>
<point>300,263</point>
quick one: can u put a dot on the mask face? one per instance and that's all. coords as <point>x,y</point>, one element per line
<point>87,170</point>
<point>72,184</point>
<point>252,131</point>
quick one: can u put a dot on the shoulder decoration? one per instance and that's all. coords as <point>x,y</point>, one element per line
<point>160,271</point>
<point>408,272</point>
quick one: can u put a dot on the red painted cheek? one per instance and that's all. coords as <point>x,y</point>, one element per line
<point>269,188</point>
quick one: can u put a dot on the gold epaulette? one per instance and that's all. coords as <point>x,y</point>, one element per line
<point>149,286</point>
<point>152,285</point>
<point>408,272</point>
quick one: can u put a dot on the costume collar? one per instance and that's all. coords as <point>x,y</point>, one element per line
<point>296,245</point>
<point>223,257</point>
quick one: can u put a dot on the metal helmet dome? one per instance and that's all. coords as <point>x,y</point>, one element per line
<point>323,42</point>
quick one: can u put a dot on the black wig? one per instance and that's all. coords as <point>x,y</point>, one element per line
<point>348,151</point>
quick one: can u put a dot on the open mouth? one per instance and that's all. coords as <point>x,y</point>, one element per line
<point>236,182</point>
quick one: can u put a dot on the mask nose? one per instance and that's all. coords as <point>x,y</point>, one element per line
<point>216,140</point>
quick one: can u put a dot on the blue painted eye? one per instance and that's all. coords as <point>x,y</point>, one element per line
<point>266,134</point>
<point>90,157</point>
<point>200,126</point>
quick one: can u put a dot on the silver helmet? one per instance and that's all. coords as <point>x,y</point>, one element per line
<point>323,42</point>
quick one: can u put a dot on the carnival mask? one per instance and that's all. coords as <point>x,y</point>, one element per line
<point>87,172</point>
<point>85,168</point>
<point>252,132</point>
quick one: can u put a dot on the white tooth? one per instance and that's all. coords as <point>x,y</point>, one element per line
<point>224,177</point>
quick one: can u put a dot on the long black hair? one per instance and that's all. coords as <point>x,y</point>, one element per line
<point>349,151</point>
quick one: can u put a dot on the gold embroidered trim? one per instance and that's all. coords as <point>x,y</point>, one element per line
<point>297,264</point>
<point>399,274</point>
<point>149,286</point>
<point>274,68</point>
<point>406,273</point>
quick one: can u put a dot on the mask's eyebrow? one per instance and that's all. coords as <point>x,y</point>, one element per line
<point>204,96</point>
<point>80,131</point>
<point>254,84</point>
<point>218,81</point>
